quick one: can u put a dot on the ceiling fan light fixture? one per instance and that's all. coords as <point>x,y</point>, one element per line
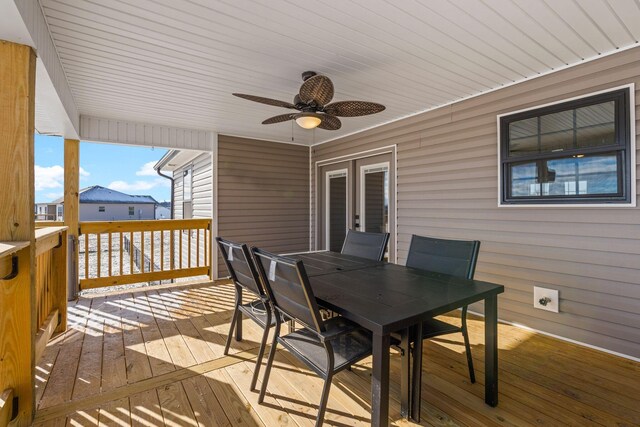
<point>308,120</point>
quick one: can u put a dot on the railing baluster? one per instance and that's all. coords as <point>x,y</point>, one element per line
<point>206,247</point>
<point>121,253</point>
<point>99,253</point>
<point>198,247</point>
<point>153,258</point>
<point>172,250</point>
<point>110,252</point>
<point>131,250</point>
<point>141,260</point>
<point>161,250</point>
<point>189,249</point>
<point>86,256</point>
<point>180,247</point>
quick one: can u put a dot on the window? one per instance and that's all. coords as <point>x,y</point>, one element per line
<point>187,182</point>
<point>100,208</point>
<point>573,152</point>
<point>132,211</point>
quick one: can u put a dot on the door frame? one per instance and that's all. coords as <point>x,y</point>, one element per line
<point>391,149</point>
<point>328,176</point>
<point>361,200</point>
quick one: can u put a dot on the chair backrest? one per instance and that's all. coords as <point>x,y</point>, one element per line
<point>288,288</point>
<point>365,245</point>
<point>241,268</point>
<point>453,257</point>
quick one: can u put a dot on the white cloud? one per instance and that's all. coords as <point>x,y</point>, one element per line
<point>53,196</point>
<point>140,185</point>
<point>147,169</point>
<point>132,186</point>
<point>52,177</point>
<point>49,177</point>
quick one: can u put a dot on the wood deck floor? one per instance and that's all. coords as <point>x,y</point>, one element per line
<point>154,357</point>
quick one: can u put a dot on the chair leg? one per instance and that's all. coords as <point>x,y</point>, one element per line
<point>267,370</point>
<point>231,328</point>
<point>263,344</point>
<point>323,400</point>
<point>467,346</point>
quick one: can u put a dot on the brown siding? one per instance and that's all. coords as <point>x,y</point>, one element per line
<point>263,194</point>
<point>447,187</point>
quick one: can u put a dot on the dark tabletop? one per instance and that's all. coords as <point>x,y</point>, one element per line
<point>385,297</point>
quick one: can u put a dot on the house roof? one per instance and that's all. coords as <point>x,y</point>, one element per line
<point>98,194</point>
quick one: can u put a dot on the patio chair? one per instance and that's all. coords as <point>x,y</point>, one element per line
<point>245,277</point>
<point>452,257</point>
<point>365,245</point>
<point>325,346</point>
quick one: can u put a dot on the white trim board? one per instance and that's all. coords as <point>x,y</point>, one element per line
<point>561,338</point>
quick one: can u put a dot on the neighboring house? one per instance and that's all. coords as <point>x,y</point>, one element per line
<point>163,210</point>
<point>49,211</point>
<point>192,182</point>
<point>103,204</point>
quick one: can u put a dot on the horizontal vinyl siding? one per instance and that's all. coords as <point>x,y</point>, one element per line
<point>447,187</point>
<point>263,194</point>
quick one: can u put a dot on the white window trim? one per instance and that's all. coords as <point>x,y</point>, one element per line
<point>632,155</point>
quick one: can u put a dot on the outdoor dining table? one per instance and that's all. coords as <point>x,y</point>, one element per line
<point>389,298</point>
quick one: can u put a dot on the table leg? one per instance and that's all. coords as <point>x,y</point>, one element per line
<point>416,376</point>
<point>239,320</point>
<point>491,350</point>
<point>405,373</point>
<point>380,381</point>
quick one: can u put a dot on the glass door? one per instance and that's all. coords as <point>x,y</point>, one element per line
<point>356,194</point>
<point>336,201</point>
<point>373,200</point>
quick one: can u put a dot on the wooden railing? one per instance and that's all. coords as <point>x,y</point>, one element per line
<point>51,284</point>
<point>122,252</point>
<point>49,301</point>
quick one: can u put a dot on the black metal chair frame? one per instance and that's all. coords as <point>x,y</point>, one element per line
<point>315,331</point>
<point>261,301</point>
<point>474,248</point>
<point>380,239</point>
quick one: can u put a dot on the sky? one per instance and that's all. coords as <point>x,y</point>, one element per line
<point>122,168</point>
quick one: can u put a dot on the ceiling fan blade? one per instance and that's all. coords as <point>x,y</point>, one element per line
<point>330,122</point>
<point>353,108</point>
<point>267,101</point>
<point>278,119</point>
<point>318,89</point>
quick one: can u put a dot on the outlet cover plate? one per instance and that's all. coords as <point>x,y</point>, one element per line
<point>540,293</point>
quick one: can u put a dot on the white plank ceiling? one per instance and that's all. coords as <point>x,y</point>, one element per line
<point>176,62</point>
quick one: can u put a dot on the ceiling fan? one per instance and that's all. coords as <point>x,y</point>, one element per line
<point>313,105</point>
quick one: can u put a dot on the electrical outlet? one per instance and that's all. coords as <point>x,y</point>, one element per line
<point>546,299</point>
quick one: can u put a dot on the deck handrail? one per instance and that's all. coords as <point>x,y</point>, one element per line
<point>155,250</point>
<point>51,284</point>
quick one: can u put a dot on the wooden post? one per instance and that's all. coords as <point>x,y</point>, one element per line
<point>60,280</point>
<point>72,209</point>
<point>17,223</point>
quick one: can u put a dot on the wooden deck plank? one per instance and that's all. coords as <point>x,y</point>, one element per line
<point>175,406</point>
<point>155,347</point>
<point>204,403</point>
<point>59,388</point>
<point>145,381</point>
<point>237,409</point>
